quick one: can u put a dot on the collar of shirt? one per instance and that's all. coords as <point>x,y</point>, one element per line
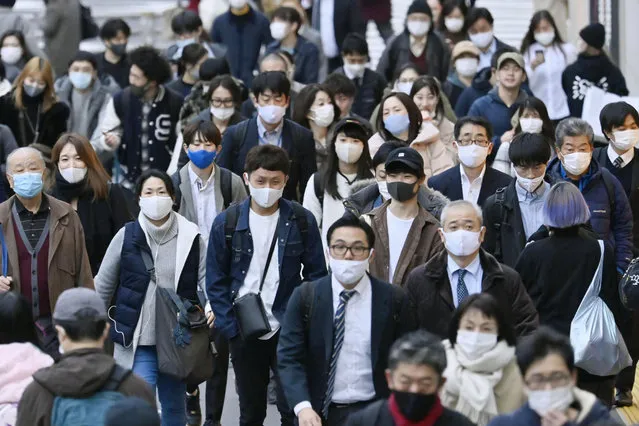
<point>268,135</point>
<point>465,176</point>
<point>528,197</point>
<point>473,268</point>
<point>44,206</point>
<point>417,46</point>
<point>362,289</point>
<point>626,156</point>
<point>196,180</point>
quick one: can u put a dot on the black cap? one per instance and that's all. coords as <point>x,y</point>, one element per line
<point>405,159</point>
<point>594,35</point>
<point>419,6</point>
<point>354,122</point>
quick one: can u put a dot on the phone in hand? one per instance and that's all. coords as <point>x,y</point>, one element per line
<point>539,55</point>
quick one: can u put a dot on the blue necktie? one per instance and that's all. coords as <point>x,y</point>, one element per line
<point>462,290</point>
<point>338,342</point>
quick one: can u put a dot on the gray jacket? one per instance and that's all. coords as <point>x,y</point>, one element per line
<point>62,33</point>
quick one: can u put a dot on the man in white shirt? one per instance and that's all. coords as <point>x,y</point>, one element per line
<point>333,351</point>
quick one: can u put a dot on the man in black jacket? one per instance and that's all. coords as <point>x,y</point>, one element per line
<point>333,351</point>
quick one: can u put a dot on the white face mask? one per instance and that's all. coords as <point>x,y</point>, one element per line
<point>474,344</point>
<point>265,197</point>
<point>472,155</point>
<point>530,185</point>
<point>418,28</point>
<point>544,401</point>
<point>11,54</point>
<point>271,114</point>
<point>531,125</point>
<point>237,4</point>
<point>545,38</point>
<point>454,25</point>
<point>383,189</point>
<point>323,116</point>
<point>222,113</point>
<point>626,139</point>
<point>348,272</point>
<point>466,67</point>
<point>404,87</point>
<point>73,174</point>
<point>482,40</point>
<point>156,207</point>
<point>348,152</point>
<point>577,162</point>
<point>279,30</point>
<point>356,70</point>
<point>462,242</point>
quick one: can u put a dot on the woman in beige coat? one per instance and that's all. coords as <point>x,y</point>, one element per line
<point>482,376</point>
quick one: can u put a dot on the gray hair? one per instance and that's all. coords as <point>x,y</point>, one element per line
<point>461,203</point>
<point>573,127</point>
<point>418,348</point>
<point>565,206</point>
<point>25,149</point>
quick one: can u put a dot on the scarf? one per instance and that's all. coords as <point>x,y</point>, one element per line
<point>432,417</point>
<point>471,383</point>
<point>68,191</point>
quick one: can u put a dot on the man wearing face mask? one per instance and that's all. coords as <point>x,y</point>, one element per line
<point>514,214</point>
<point>473,180</point>
<point>115,35</point>
<point>547,364</point>
<point>438,287</point>
<point>267,246</point>
<point>272,90</point>
<point>332,355</point>
<point>405,233</point>
<point>415,372</point>
<point>611,216</point>
<point>45,243</point>
<point>479,22</point>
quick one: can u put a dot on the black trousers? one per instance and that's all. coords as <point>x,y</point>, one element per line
<point>252,362</point>
<point>602,389</point>
<point>629,329</point>
<point>338,413</point>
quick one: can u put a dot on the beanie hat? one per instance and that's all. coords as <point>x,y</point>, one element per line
<point>420,6</point>
<point>594,35</point>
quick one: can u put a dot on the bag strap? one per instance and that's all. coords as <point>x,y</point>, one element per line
<point>230,223</point>
<point>307,290</point>
<point>117,376</point>
<point>500,195</point>
<point>148,264</point>
<point>5,253</point>
<point>317,186</point>
<point>268,260</point>
<point>226,185</point>
<point>300,217</point>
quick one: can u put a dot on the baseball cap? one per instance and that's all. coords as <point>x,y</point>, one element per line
<point>405,158</point>
<point>79,304</point>
<point>512,56</point>
<point>465,47</point>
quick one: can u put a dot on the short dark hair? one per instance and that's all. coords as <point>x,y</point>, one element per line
<point>495,58</point>
<point>191,55</point>
<point>541,343</point>
<point>149,173</point>
<point>384,150</point>
<point>83,329</point>
<point>529,149</point>
<point>214,67</point>
<point>288,14</point>
<point>112,27</point>
<point>447,8</point>
<point>354,44</point>
<point>82,56</point>
<point>275,81</point>
<point>16,320</point>
<point>205,128</point>
<point>478,121</point>
<point>186,21</point>
<point>350,220</point>
<point>477,13</point>
<point>487,305</point>
<point>339,84</point>
<point>267,157</point>
<point>418,348</point>
<point>152,64</point>
<point>614,114</point>
<point>414,117</point>
<point>227,82</point>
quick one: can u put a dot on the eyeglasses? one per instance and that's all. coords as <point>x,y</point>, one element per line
<point>218,103</point>
<point>469,141</point>
<point>555,380</point>
<point>357,251</point>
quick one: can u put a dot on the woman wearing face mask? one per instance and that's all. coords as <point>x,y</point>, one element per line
<point>546,56</point>
<point>482,377</point>
<point>316,110</point>
<point>32,110</point>
<point>14,53</point>
<point>81,181</point>
<point>451,22</point>
<point>557,271</point>
<point>178,254</point>
<point>401,120</point>
<point>465,59</point>
<point>547,363</point>
<point>348,161</point>
<point>188,69</point>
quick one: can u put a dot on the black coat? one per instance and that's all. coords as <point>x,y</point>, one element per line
<point>305,349</point>
<point>449,183</point>
<point>379,414</point>
<point>347,18</point>
<point>370,91</point>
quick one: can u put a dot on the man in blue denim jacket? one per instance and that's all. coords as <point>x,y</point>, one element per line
<point>263,253</point>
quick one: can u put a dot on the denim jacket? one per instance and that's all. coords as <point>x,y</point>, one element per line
<point>226,269</point>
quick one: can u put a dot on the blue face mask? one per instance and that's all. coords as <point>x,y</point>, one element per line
<point>27,185</point>
<point>202,158</point>
<point>397,123</point>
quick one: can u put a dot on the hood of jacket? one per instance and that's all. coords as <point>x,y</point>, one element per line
<point>454,79</point>
<point>19,362</point>
<point>493,94</point>
<point>593,67</point>
<point>63,88</point>
<point>481,81</point>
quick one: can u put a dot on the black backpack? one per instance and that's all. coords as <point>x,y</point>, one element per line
<point>226,184</point>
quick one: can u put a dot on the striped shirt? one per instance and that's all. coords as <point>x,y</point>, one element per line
<point>33,223</point>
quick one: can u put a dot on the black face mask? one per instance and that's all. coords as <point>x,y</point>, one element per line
<point>139,91</point>
<point>118,48</point>
<point>414,406</point>
<point>401,191</point>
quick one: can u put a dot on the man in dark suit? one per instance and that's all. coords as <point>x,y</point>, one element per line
<point>337,331</point>
<point>272,92</point>
<point>473,180</point>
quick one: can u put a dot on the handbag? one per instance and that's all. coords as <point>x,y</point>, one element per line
<point>629,286</point>
<point>597,342</point>
<point>249,309</point>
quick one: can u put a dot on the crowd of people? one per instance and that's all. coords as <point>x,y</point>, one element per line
<point>413,244</point>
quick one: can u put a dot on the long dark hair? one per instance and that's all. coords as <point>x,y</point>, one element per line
<point>414,115</point>
<point>547,129</point>
<point>432,84</point>
<point>447,9</point>
<point>304,101</point>
<point>352,129</point>
<point>16,322</point>
<point>529,38</point>
<point>26,53</point>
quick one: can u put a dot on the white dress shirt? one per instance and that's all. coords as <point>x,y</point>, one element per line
<point>626,156</point>
<point>327,28</point>
<point>487,56</point>
<point>472,279</point>
<point>203,201</point>
<point>471,190</point>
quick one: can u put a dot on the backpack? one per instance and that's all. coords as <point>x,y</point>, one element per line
<point>226,178</point>
<point>318,186</point>
<point>93,409</point>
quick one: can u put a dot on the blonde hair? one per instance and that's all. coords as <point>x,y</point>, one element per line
<point>36,65</point>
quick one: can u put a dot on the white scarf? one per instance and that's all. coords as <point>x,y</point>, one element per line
<point>472,382</point>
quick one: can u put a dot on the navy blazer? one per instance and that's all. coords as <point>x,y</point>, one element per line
<point>449,183</point>
<point>297,141</point>
<point>305,350</point>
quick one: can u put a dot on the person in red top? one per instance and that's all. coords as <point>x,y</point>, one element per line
<point>416,365</point>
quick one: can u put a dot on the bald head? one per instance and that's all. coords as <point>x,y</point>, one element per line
<point>25,159</point>
<point>273,62</point>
